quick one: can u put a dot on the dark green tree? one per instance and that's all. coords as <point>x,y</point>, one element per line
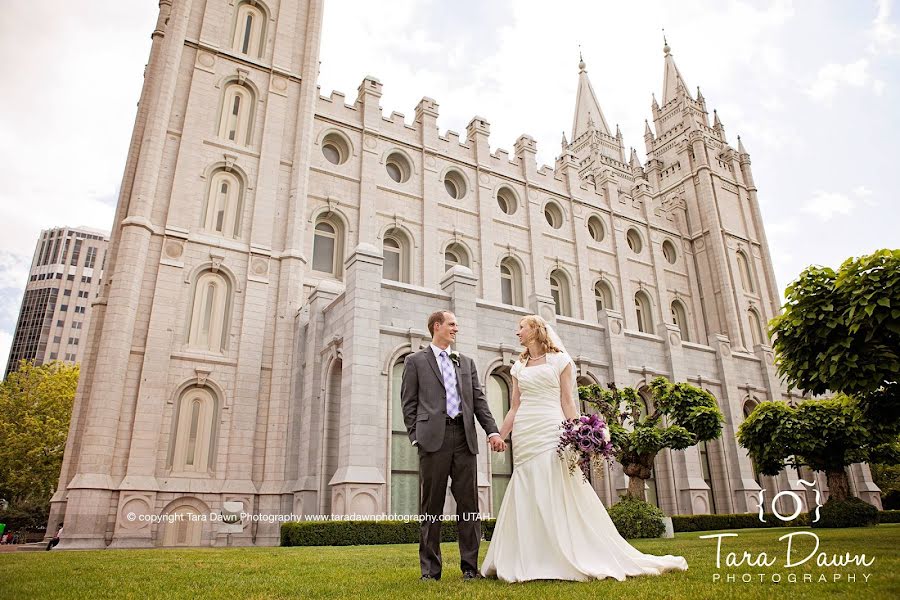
<point>637,438</point>
<point>825,435</point>
<point>840,332</point>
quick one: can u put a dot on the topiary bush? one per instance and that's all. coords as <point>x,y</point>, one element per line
<point>889,516</point>
<point>851,512</point>
<point>364,533</point>
<point>635,518</point>
<point>734,521</point>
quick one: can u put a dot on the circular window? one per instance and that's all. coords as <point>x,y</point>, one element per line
<point>335,149</point>
<point>595,227</point>
<point>668,249</point>
<point>634,241</point>
<point>455,184</point>
<point>553,214</point>
<point>506,200</point>
<point>397,167</point>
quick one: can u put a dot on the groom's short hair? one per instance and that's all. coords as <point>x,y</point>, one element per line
<point>436,318</point>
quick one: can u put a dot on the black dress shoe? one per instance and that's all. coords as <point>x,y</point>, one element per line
<point>469,575</point>
<point>429,578</point>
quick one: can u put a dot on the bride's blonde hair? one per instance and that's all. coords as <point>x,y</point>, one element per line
<point>541,335</point>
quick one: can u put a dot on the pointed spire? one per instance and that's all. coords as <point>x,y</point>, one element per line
<point>672,80</point>
<point>741,146</point>
<point>717,124</point>
<point>655,104</point>
<point>565,143</point>
<point>699,95</point>
<point>587,109</point>
<point>647,130</point>
<point>635,162</point>
<point>618,132</point>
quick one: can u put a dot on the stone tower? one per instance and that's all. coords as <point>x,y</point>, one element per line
<point>210,214</point>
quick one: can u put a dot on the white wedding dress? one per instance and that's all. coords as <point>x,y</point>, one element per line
<point>551,524</point>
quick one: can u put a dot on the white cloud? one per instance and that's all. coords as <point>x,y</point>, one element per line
<point>825,205</point>
<point>884,36</point>
<point>833,76</point>
<point>865,195</point>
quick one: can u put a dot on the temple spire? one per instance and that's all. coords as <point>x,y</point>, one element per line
<point>672,80</point>
<point>586,106</point>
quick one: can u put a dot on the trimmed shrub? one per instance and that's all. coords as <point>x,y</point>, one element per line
<point>889,516</point>
<point>851,512</point>
<point>635,518</point>
<point>364,533</point>
<point>733,521</point>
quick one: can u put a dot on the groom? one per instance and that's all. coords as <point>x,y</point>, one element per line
<point>441,398</point>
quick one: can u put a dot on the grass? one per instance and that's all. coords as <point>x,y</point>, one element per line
<point>360,572</point>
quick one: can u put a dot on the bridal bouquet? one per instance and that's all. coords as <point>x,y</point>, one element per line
<point>581,440</point>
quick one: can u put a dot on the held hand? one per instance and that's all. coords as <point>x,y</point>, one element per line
<point>497,445</point>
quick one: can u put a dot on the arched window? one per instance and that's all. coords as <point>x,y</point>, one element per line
<point>404,456</point>
<point>642,312</point>
<point>749,407</point>
<point>183,527</point>
<point>755,327</point>
<point>510,283</point>
<point>210,313</point>
<point>328,247</point>
<point>744,268</point>
<point>559,289</point>
<point>679,318</point>
<point>195,419</point>
<point>396,256</point>
<point>237,114</point>
<point>706,472</point>
<point>603,296</point>
<point>498,397</point>
<point>455,254</point>
<point>249,30</point>
<point>224,205</point>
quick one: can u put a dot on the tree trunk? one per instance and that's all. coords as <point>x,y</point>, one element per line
<point>838,484</point>
<point>636,488</point>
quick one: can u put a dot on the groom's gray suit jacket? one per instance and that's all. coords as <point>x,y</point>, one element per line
<point>425,401</point>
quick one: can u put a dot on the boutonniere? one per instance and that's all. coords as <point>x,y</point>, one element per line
<point>454,356</point>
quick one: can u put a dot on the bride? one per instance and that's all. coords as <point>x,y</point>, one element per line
<point>551,524</point>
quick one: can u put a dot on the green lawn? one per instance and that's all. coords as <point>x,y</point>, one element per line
<point>359,572</point>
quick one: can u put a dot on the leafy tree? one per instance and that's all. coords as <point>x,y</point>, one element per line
<point>825,435</point>
<point>840,332</point>
<point>637,438</point>
<point>887,478</point>
<point>35,409</point>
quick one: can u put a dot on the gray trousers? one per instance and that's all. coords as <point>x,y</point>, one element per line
<point>453,460</point>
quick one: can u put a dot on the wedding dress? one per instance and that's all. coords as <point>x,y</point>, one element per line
<point>551,523</point>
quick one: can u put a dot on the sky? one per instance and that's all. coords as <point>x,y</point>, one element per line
<point>812,87</point>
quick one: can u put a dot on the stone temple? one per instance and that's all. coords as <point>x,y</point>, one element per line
<point>275,254</point>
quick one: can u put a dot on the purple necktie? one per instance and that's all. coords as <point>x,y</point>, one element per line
<point>449,374</point>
